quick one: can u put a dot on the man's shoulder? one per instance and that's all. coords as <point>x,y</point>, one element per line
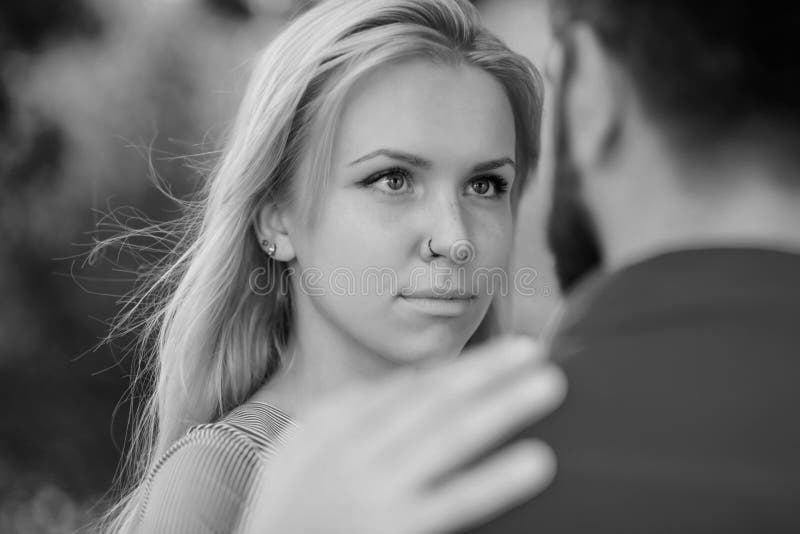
<point>713,349</point>
<point>680,417</point>
<point>670,294</point>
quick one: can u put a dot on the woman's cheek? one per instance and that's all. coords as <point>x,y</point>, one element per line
<point>494,240</point>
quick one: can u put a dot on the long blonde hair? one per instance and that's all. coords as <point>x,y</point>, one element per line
<point>209,340</point>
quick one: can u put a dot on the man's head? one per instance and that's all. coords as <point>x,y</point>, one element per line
<point>646,83</point>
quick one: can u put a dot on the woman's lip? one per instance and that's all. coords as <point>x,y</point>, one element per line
<point>445,294</point>
<point>438,306</point>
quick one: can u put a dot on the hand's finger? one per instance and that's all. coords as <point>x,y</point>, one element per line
<point>518,472</point>
<point>420,403</point>
<point>473,427</point>
<point>478,366</point>
<point>374,415</point>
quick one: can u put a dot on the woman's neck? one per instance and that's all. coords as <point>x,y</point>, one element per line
<point>320,360</point>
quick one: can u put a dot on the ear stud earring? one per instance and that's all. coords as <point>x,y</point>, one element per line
<point>270,248</point>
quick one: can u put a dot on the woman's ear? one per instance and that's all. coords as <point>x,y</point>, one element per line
<point>271,228</point>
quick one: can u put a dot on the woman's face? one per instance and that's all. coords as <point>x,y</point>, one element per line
<point>423,159</point>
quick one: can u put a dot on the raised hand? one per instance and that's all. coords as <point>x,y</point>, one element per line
<point>401,455</point>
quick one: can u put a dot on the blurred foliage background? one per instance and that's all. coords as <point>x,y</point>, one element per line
<point>97,96</point>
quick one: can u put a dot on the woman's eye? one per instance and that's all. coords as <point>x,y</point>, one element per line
<point>482,186</point>
<point>488,186</point>
<point>395,182</point>
<point>391,182</point>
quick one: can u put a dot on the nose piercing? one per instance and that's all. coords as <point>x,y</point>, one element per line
<point>431,249</point>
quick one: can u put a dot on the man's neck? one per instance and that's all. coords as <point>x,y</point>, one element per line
<point>728,211</point>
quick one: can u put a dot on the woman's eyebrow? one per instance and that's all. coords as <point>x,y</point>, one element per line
<point>418,161</point>
<point>411,159</point>
<point>494,164</point>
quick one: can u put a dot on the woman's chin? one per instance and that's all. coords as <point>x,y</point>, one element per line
<point>422,352</point>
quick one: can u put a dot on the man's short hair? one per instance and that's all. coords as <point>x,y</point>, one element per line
<point>707,67</point>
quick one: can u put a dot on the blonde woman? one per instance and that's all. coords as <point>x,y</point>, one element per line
<point>355,225</point>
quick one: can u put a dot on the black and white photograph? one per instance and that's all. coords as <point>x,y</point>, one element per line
<point>399,267</point>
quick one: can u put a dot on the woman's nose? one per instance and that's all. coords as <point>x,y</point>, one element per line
<point>449,235</point>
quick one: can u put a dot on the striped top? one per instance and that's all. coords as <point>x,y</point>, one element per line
<point>203,482</point>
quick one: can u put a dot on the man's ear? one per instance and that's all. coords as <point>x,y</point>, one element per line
<point>595,98</point>
<point>271,227</point>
